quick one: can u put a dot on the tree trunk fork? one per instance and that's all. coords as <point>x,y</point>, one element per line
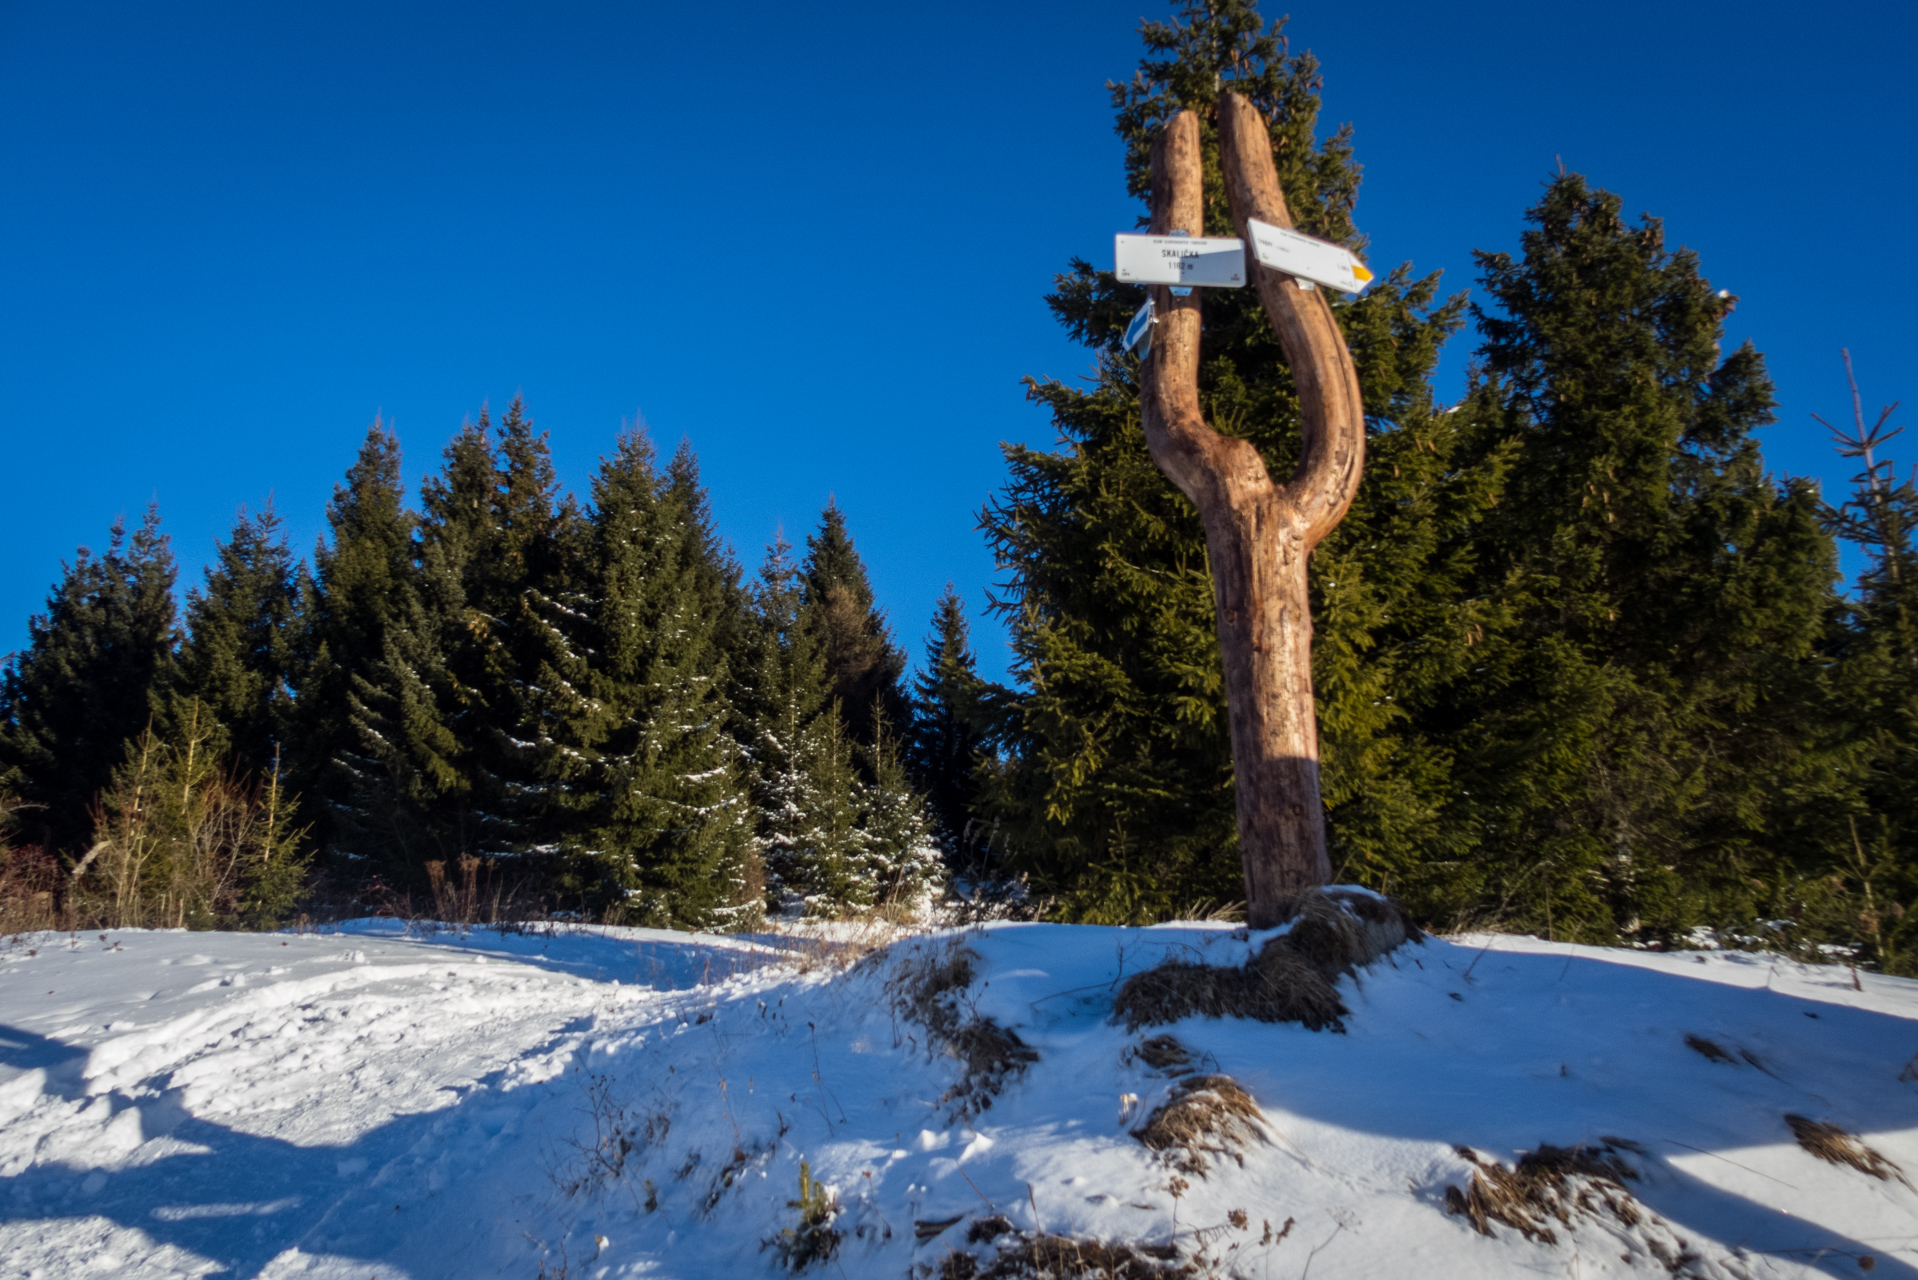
<point>1259,534</point>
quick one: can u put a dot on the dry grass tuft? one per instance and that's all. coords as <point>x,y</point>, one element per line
<point>1830,1143</point>
<point>834,946</point>
<point>1283,986</point>
<point>1551,1183</point>
<point>990,1056</point>
<point>1177,989</point>
<point>1165,1054</point>
<point>1340,931</point>
<point>1292,979</point>
<point>931,990</point>
<point>924,983</point>
<point>1205,1116</point>
<point>1022,1255</point>
<point>1716,1052</point>
<point>1712,1050</point>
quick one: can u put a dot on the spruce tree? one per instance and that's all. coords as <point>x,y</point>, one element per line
<point>827,852</point>
<point>946,745</point>
<point>541,550</point>
<point>807,792</point>
<point>526,513</point>
<point>1115,787</point>
<point>495,537</point>
<point>902,860</point>
<point>866,668</point>
<point>1880,517</point>
<point>1876,858</point>
<point>378,749</point>
<point>1644,732</point>
<point>97,670</point>
<point>238,656</point>
<point>633,727</point>
<point>456,542</point>
<point>699,654</point>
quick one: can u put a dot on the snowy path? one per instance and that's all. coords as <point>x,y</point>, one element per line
<point>361,1104</point>
<point>204,1104</point>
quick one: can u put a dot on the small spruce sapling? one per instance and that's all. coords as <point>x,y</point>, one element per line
<point>815,1239</point>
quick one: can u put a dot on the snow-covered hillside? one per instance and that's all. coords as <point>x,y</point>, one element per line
<point>621,1102</point>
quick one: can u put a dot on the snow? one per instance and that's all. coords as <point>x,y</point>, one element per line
<point>367,1101</point>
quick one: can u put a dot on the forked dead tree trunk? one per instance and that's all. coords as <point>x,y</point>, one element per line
<point>1259,534</point>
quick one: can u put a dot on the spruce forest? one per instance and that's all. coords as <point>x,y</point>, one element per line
<point>1586,667</point>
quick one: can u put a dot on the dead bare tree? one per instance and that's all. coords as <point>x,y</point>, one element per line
<point>1259,534</point>
<point>1879,515</point>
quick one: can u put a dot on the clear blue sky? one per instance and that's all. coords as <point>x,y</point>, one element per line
<point>811,239</point>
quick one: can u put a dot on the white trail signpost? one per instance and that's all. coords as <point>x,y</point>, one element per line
<point>1217,261</point>
<point>1305,257</point>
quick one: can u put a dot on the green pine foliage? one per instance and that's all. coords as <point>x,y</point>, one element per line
<point>1116,789</point>
<point>182,841</point>
<point>238,656</point>
<point>496,540</point>
<point>376,744</point>
<point>97,670</point>
<point>633,727</point>
<point>1646,748</point>
<point>455,546</point>
<point>820,854</point>
<point>903,864</point>
<point>839,827</point>
<point>946,746</point>
<point>789,700</point>
<point>866,669</point>
<point>1871,887</point>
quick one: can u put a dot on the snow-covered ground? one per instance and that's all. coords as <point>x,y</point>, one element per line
<point>361,1103</point>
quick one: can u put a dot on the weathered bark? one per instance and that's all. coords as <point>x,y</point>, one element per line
<point>1259,534</point>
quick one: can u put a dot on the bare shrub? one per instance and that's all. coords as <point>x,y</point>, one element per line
<point>1292,978</point>
<point>921,985</point>
<point>980,898</point>
<point>619,1135</point>
<point>899,912</point>
<point>1831,1144</point>
<point>930,990</point>
<point>496,893</point>
<point>455,905</point>
<point>1547,1185</point>
<point>1205,1116</point>
<point>31,883</point>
